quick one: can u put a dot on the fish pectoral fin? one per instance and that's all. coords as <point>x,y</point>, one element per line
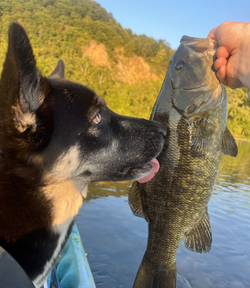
<point>199,237</point>
<point>200,143</point>
<point>198,146</point>
<point>229,146</point>
<point>134,200</point>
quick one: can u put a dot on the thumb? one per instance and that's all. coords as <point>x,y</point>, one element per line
<point>211,34</point>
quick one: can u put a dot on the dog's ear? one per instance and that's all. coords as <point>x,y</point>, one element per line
<point>22,87</point>
<point>59,71</point>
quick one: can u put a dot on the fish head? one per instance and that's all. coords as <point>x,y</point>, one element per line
<point>195,87</point>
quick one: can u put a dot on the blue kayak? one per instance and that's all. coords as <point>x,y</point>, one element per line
<point>72,268</point>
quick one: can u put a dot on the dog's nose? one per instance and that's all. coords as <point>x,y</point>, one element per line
<point>161,128</point>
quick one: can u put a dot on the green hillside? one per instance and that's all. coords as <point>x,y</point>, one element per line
<point>124,68</point>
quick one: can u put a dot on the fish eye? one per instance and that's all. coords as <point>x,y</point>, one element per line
<point>98,118</point>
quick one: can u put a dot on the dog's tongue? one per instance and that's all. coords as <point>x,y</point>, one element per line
<point>155,168</point>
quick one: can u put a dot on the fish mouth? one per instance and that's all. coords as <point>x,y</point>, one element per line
<point>142,173</point>
<point>199,45</point>
<point>198,88</point>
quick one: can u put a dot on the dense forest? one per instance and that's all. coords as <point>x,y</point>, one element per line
<point>124,68</point>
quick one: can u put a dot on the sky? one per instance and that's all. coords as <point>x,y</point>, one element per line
<point>170,20</point>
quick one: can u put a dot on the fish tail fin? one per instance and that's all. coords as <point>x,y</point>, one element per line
<point>151,278</point>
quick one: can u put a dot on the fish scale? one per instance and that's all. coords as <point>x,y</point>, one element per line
<point>193,105</point>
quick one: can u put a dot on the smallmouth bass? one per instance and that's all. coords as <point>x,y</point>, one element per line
<point>193,105</point>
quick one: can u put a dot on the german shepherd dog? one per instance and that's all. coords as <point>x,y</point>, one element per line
<point>56,137</point>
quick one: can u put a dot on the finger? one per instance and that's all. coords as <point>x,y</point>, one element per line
<point>219,63</point>
<point>222,52</point>
<point>222,74</point>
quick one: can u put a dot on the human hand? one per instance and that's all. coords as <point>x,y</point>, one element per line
<point>233,56</point>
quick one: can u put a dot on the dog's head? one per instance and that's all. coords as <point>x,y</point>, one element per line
<point>62,129</point>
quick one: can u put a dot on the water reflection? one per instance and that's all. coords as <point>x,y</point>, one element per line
<point>106,189</point>
<point>115,240</point>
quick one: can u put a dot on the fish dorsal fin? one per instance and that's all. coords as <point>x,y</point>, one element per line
<point>199,237</point>
<point>229,146</point>
<point>134,200</point>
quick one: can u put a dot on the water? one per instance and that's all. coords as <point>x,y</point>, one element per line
<point>115,240</point>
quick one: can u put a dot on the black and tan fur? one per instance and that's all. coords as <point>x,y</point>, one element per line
<point>57,136</point>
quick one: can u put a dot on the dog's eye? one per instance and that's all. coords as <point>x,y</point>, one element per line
<point>98,118</point>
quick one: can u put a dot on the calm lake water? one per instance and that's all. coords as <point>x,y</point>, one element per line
<point>115,239</point>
